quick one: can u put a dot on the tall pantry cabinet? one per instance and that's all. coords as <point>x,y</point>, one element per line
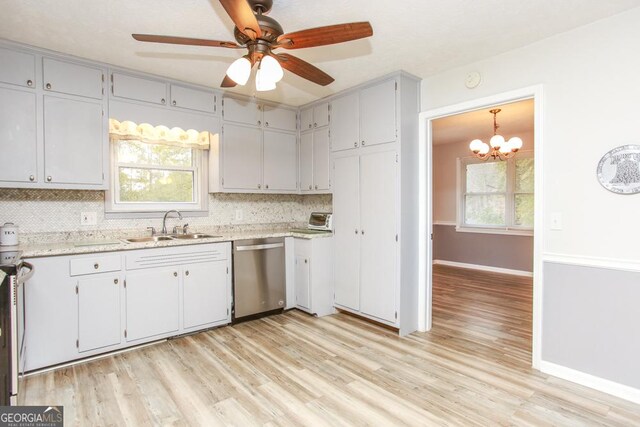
<point>375,178</point>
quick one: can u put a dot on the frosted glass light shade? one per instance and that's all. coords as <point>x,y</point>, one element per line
<point>496,141</point>
<point>505,148</point>
<point>263,84</point>
<point>476,145</point>
<point>239,71</point>
<point>271,69</point>
<point>484,149</point>
<point>515,143</point>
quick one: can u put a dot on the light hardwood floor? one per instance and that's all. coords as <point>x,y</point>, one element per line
<point>473,368</point>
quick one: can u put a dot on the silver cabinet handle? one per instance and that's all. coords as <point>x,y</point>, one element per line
<point>49,178</point>
<point>32,178</point>
<point>362,142</point>
<point>48,85</point>
<point>259,122</point>
<point>266,124</point>
<point>306,260</point>
<point>29,82</point>
<point>175,274</point>
<point>310,187</point>
<point>115,281</point>
<point>266,186</point>
<point>362,232</point>
<point>96,266</point>
<point>186,273</point>
<point>356,231</point>
<point>163,101</point>
<point>174,103</point>
<point>315,125</point>
<point>259,186</point>
<point>309,125</point>
<point>316,186</point>
<point>355,144</point>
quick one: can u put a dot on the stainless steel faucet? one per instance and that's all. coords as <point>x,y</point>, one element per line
<point>164,220</point>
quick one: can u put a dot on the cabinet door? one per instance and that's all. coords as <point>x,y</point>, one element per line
<point>73,141</point>
<point>241,111</point>
<point>321,159</point>
<point>378,220</point>
<point>193,99</point>
<point>321,115</point>
<point>71,78</point>
<point>303,282</point>
<point>242,157</point>
<point>378,114</point>
<point>99,312</point>
<point>346,213</point>
<point>306,119</point>
<point>152,302</point>
<point>280,161</point>
<point>18,137</point>
<point>279,118</point>
<point>306,161</point>
<point>344,122</point>
<point>18,68</point>
<point>138,88</point>
<point>205,294</point>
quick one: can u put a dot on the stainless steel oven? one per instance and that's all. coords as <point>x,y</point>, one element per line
<point>14,273</point>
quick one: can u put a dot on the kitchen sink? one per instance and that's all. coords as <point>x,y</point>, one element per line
<point>148,239</point>
<point>193,236</point>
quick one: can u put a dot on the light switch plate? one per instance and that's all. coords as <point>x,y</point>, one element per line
<point>556,221</point>
<point>239,215</point>
<point>88,218</point>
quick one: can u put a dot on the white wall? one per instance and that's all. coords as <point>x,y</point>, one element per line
<point>592,104</point>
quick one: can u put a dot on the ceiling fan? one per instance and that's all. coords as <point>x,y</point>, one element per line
<point>260,35</point>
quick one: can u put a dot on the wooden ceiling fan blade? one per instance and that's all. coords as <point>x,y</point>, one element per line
<point>322,36</point>
<point>228,82</point>
<point>242,15</point>
<point>304,69</point>
<point>184,41</point>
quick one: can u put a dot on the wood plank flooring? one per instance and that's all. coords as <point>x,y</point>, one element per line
<point>473,368</point>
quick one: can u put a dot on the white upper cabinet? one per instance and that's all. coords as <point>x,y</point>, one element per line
<point>306,162</point>
<point>345,128</point>
<point>242,157</point>
<point>314,117</point>
<point>18,68</point>
<point>241,111</point>
<point>279,118</point>
<point>280,161</point>
<point>306,119</point>
<point>18,135</point>
<point>73,79</point>
<point>378,114</point>
<point>138,88</point>
<point>321,159</point>
<point>74,136</point>
<point>193,99</point>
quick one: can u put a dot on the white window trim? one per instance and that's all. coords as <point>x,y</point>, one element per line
<point>509,205</point>
<point>200,207</point>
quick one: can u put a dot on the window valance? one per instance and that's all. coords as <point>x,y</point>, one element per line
<point>145,132</point>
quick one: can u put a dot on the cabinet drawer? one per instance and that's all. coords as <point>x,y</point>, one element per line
<point>73,79</point>
<point>94,264</point>
<point>139,89</point>
<point>18,68</point>
<point>193,99</point>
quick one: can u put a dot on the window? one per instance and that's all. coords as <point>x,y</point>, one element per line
<point>496,196</point>
<point>148,177</point>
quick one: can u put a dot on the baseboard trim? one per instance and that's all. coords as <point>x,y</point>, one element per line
<point>483,268</point>
<point>606,386</point>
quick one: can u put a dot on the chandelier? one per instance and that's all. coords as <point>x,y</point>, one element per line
<point>497,148</point>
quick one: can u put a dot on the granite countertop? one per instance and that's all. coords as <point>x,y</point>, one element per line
<point>53,244</point>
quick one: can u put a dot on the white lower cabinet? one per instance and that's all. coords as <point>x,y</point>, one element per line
<point>151,301</point>
<point>82,305</point>
<point>313,272</point>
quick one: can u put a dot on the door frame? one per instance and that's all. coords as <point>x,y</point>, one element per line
<point>425,202</point>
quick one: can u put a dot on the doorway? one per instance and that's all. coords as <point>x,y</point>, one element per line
<point>532,95</point>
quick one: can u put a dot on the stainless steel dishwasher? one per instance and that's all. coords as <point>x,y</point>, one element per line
<point>258,276</point>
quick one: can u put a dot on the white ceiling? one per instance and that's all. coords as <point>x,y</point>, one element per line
<point>423,37</point>
<point>515,119</point>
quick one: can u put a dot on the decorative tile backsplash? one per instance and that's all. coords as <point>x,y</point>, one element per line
<point>37,211</point>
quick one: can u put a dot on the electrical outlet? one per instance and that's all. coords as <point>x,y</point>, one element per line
<point>556,221</point>
<point>88,218</point>
<point>239,215</point>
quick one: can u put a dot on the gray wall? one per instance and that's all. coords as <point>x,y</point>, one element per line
<point>591,321</point>
<point>495,250</point>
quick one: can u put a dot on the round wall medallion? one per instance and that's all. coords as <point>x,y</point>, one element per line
<point>619,170</point>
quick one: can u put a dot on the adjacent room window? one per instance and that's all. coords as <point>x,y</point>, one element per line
<point>155,176</point>
<point>496,196</point>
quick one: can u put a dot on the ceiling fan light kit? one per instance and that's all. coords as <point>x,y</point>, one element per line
<point>260,35</point>
<point>498,148</point>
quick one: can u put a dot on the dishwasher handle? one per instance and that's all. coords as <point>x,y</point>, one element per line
<point>259,247</point>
